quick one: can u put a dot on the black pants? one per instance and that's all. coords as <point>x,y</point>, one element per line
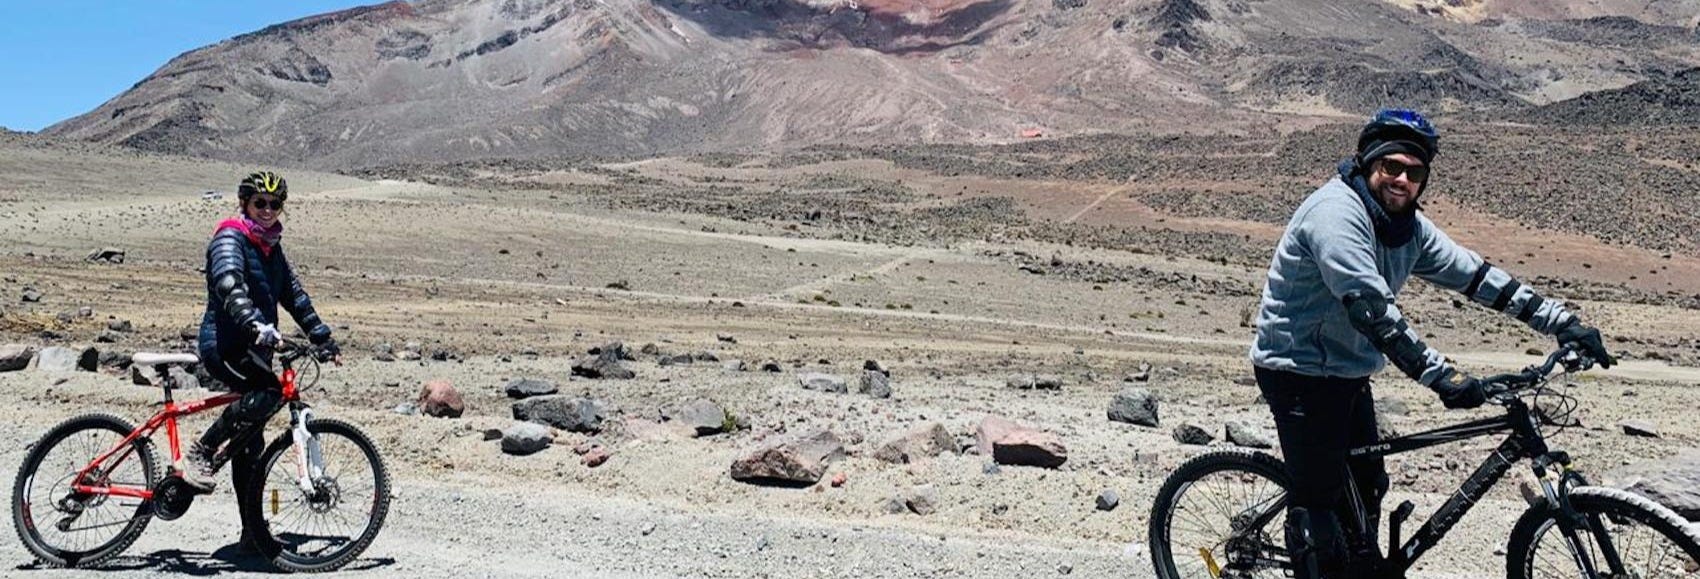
<point>250,375</point>
<point>1319,420</point>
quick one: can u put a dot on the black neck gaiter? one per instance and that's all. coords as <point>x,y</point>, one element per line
<point>1392,230</point>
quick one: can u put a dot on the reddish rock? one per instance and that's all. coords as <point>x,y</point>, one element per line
<point>596,457</point>
<point>439,398</point>
<point>839,479</point>
<point>1012,444</point>
<point>802,460</point>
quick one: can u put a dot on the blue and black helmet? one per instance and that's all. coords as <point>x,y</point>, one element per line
<point>1398,131</point>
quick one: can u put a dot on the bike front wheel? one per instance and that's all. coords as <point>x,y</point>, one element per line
<point>65,528</point>
<point>1623,535</point>
<point>1221,514</point>
<point>327,527</point>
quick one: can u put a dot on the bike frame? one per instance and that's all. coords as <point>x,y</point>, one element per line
<point>97,469</point>
<point>1524,442</point>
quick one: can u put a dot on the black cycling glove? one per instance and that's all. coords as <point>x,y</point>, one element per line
<point>1587,339</point>
<point>1460,391</point>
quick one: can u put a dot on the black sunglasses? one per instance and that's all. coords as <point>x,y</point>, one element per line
<point>263,204</point>
<point>1391,168</point>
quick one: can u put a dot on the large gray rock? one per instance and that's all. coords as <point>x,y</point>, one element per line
<point>1637,427</point>
<point>1245,434</point>
<point>921,499</point>
<point>924,441</point>
<point>876,384</point>
<point>703,417</point>
<point>1672,482</point>
<point>606,365</point>
<point>802,460</point>
<point>107,254</point>
<point>560,411</point>
<point>1012,444</point>
<point>522,438</point>
<point>1134,406</point>
<point>823,383</point>
<point>521,388</point>
<point>14,357</point>
<point>61,359</point>
<point>1190,433</point>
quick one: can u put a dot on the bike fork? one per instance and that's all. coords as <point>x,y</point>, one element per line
<point>309,460</point>
<point>1573,525</point>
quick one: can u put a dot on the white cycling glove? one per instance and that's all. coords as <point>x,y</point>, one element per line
<point>268,335</point>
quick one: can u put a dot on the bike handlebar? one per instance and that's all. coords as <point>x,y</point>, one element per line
<point>1506,385</point>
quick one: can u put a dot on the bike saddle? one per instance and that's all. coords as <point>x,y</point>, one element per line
<point>152,359</point>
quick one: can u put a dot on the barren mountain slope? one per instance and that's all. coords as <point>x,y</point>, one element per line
<point>446,80</point>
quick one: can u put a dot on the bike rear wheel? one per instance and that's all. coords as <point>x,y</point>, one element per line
<point>1221,514</point>
<point>1649,541</point>
<point>63,528</point>
<point>329,527</point>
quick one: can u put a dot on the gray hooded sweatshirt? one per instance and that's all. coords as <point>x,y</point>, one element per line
<point>1329,252</point>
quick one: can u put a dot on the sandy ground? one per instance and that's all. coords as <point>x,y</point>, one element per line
<point>514,284</point>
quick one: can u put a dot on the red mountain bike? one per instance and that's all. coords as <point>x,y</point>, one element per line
<point>90,486</point>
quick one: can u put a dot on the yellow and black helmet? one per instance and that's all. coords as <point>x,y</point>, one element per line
<point>263,182</point>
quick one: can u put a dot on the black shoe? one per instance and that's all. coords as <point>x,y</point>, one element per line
<point>199,469</point>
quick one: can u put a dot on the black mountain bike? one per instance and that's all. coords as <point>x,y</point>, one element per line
<point>1222,514</point>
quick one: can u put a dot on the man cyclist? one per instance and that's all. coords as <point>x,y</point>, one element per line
<point>248,278</point>
<point>1328,322</point>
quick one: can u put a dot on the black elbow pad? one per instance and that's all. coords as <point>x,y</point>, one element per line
<point>1393,337</point>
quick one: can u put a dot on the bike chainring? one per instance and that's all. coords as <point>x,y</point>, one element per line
<point>172,498</point>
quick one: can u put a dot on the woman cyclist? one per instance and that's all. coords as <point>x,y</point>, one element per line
<point>248,278</point>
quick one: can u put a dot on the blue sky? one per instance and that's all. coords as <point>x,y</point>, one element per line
<point>62,58</point>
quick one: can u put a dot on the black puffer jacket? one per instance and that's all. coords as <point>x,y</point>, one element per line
<point>247,281</point>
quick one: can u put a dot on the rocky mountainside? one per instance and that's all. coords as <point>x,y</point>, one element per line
<point>446,80</point>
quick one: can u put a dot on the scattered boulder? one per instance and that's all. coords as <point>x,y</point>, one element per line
<point>14,357</point>
<point>524,438</point>
<point>676,360</point>
<point>876,384</point>
<point>182,379</point>
<point>31,296</point>
<point>1245,434</point>
<point>120,326</point>
<point>406,409</point>
<point>702,416</point>
<point>705,356</point>
<point>771,366</point>
<point>595,456</point>
<point>139,376</point>
<point>1035,382</point>
<point>439,398</point>
<point>1189,433</point>
<point>650,349</point>
<point>62,359</point>
<point>1140,376</point>
<point>604,365</point>
<point>733,366</point>
<point>521,388</point>
<point>189,334</point>
<point>875,366</point>
<point>823,382</point>
<point>613,351</point>
<point>1134,406</point>
<point>107,254</point>
<point>1673,482</point>
<point>725,337</point>
<point>921,499</point>
<point>1012,444</point>
<point>108,337</point>
<point>802,460</point>
<point>1108,500</point>
<point>924,441</point>
<point>1640,428</point>
<point>560,411</point>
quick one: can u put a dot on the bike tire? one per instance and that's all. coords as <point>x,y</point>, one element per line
<point>1521,549</point>
<point>273,548</point>
<point>27,477</point>
<point>1163,507</point>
